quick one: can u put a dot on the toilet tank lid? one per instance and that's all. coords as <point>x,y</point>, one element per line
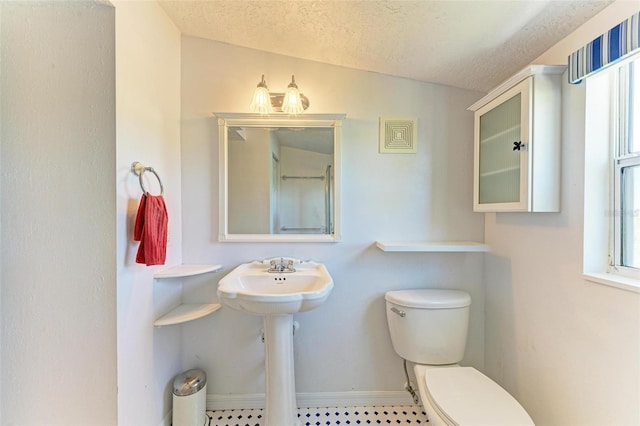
<point>429,298</point>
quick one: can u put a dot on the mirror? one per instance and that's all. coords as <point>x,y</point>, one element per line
<point>279,177</point>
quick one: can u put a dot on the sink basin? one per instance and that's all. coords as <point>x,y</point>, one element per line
<point>251,288</point>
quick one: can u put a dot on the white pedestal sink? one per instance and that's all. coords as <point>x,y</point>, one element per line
<point>277,293</point>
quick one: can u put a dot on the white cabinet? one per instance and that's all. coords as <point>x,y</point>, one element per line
<point>517,143</point>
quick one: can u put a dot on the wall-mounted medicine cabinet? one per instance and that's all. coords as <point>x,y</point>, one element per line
<point>517,143</point>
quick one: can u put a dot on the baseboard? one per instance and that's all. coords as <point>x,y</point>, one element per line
<point>353,399</point>
<point>313,399</point>
<point>234,401</point>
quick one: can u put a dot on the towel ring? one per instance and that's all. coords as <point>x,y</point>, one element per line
<point>138,168</point>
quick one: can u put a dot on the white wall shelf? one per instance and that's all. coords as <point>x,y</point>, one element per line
<point>186,312</point>
<point>186,271</point>
<point>433,246</point>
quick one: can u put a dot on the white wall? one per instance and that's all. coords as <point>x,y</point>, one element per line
<point>343,345</point>
<point>249,182</point>
<point>148,130</point>
<point>58,283</point>
<point>568,349</point>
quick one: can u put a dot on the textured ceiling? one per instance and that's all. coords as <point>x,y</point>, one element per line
<point>468,44</point>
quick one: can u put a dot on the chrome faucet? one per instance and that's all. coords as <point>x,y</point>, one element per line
<point>281,267</point>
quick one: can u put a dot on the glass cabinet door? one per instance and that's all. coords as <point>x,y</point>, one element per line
<point>501,143</point>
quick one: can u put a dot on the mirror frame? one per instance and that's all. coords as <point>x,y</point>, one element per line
<point>226,120</point>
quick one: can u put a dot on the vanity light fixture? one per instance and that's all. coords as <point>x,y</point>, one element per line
<point>292,102</point>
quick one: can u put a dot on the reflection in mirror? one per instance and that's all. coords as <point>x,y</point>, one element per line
<point>279,178</point>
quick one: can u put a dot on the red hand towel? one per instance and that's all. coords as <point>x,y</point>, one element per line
<point>151,230</point>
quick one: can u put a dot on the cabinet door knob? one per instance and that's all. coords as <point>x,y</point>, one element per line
<point>518,145</point>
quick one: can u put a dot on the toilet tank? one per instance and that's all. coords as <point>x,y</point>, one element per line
<point>428,326</point>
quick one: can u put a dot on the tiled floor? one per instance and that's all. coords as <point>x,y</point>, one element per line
<point>328,416</point>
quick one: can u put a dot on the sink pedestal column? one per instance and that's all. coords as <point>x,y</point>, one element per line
<point>280,392</point>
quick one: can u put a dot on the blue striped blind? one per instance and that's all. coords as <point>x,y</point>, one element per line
<point>610,47</point>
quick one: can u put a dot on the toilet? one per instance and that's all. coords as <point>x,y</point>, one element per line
<point>429,328</point>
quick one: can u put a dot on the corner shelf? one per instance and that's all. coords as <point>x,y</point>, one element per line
<point>186,311</point>
<point>181,271</point>
<point>433,246</point>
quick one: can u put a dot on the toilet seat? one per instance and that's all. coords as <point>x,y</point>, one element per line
<point>465,397</point>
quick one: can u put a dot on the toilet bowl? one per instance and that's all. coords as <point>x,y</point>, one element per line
<point>429,328</point>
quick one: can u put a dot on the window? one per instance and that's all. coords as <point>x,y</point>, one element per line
<point>610,67</point>
<point>611,253</point>
<point>625,247</point>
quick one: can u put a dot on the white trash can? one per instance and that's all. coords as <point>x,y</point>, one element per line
<point>190,398</point>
